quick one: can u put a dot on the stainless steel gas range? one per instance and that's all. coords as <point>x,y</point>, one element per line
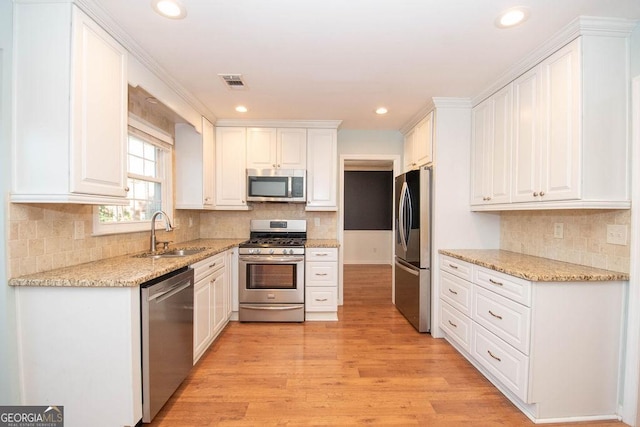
<point>271,272</point>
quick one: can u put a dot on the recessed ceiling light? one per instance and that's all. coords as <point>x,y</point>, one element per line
<point>169,8</point>
<point>512,17</point>
<point>241,109</point>
<point>381,110</point>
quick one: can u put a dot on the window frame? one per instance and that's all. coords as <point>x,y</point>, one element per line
<point>164,142</point>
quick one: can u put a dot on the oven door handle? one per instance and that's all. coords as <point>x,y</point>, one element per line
<point>272,259</point>
<point>276,308</point>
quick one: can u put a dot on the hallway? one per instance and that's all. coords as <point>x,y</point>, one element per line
<point>371,367</point>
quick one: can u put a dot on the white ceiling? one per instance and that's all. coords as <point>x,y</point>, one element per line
<point>340,59</point>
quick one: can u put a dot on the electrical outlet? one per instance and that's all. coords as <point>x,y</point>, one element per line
<point>617,234</point>
<point>558,230</point>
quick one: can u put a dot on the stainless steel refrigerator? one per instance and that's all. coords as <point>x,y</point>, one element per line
<point>413,247</point>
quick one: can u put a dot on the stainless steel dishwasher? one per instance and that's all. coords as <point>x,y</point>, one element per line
<point>167,337</point>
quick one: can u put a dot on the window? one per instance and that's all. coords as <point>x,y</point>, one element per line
<point>148,180</point>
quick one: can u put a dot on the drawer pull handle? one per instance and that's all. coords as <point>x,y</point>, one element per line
<point>455,267</point>
<point>452,324</point>
<point>212,265</point>
<point>452,291</point>
<point>495,357</point>
<point>321,299</point>
<point>496,283</point>
<point>321,274</point>
<point>322,254</point>
<point>495,315</point>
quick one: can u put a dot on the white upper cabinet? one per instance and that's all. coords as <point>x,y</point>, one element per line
<point>569,143</point>
<point>195,166</point>
<point>491,149</point>
<point>547,139</point>
<point>322,175</point>
<point>270,148</point>
<point>230,182</point>
<point>418,144</point>
<point>70,108</point>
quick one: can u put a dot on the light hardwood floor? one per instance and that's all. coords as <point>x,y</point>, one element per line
<point>371,367</point>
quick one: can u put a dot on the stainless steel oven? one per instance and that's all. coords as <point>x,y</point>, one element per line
<point>271,272</point>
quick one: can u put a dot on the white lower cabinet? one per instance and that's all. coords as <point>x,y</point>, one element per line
<point>211,302</point>
<point>321,284</point>
<point>553,348</point>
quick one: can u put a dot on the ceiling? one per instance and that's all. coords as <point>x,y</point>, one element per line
<point>341,59</point>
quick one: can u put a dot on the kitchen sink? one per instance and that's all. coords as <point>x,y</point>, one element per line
<point>174,253</point>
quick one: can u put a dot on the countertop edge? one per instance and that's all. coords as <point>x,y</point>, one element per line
<point>147,269</point>
<point>579,273</point>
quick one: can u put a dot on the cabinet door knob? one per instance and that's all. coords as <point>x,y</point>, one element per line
<point>126,189</point>
<point>535,194</point>
<point>541,193</point>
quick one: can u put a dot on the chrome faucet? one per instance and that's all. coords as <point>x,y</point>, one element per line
<point>167,225</point>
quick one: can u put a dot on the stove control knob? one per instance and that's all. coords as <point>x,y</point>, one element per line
<point>284,251</point>
<point>290,251</point>
<point>272,251</point>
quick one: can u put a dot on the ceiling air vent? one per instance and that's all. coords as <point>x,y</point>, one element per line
<point>233,81</point>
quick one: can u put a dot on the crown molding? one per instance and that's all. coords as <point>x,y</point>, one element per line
<point>434,104</point>
<point>308,124</point>
<point>415,119</point>
<point>98,13</point>
<point>581,26</point>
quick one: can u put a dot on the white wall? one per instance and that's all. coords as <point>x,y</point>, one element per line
<point>368,246</point>
<point>454,225</point>
<point>9,388</point>
<point>631,368</point>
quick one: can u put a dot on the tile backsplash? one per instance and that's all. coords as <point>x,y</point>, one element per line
<point>584,239</point>
<point>235,224</point>
<point>48,236</point>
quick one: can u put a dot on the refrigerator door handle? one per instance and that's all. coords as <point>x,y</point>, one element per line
<point>412,271</point>
<point>402,217</point>
<point>409,223</point>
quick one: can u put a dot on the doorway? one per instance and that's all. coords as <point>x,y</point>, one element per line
<point>380,239</point>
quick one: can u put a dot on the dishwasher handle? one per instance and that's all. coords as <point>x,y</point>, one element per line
<point>161,296</point>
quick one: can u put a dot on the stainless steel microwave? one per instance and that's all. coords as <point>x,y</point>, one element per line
<point>276,185</point>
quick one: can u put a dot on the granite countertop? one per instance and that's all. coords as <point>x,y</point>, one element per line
<point>533,268</point>
<point>124,271</point>
<point>322,243</point>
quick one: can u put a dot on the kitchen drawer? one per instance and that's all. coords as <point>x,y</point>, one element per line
<point>456,291</point>
<point>456,325</point>
<point>321,274</point>
<point>456,267</point>
<point>507,319</point>
<point>321,299</point>
<point>321,254</point>
<point>503,361</point>
<point>207,266</point>
<point>514,288</point>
